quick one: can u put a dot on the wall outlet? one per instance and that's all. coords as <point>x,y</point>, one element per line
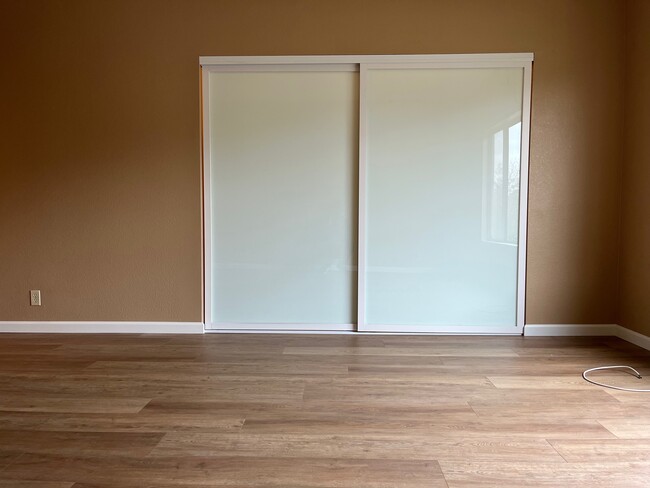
<point>35,297</point>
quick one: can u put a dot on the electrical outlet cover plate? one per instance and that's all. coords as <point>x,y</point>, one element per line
<point>35,297</point>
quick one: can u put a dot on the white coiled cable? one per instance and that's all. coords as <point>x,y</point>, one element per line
<point>635,372</point>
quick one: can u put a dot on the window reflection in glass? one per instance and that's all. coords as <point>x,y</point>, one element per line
<point>502,185</point>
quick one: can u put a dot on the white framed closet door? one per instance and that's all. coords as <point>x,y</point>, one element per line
<point>441,196</point>
<point>283,182</point>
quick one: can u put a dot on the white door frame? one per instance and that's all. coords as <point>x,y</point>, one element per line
<point>362,63</point>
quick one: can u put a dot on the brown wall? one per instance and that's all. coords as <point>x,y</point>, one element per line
<point>635,262</point>
<point>99,193</point>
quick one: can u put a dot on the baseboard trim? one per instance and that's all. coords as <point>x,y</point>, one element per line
<point>79,327</point>
<point>634,337</point>
<point>557,330</point>
<point>544,330</point>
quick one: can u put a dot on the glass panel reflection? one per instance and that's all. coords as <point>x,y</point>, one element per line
<point>442,196</point>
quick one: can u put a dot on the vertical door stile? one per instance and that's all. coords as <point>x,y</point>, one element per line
<point>523,195</point>
<point>361,265</point>
<point>207,205</point>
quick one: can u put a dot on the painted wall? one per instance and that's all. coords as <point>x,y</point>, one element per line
<point>635,256</point>
<point>99,188</point>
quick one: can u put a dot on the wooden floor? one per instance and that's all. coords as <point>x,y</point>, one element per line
<point>294,411</point>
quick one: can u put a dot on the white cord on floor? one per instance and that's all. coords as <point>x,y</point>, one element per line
<point>636,373</point>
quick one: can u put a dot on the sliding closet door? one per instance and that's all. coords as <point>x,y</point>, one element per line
<point>442,184</point>
<point>283,188</point>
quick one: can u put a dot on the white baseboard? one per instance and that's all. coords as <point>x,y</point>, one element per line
<point>541,330</point>
<point>633,337</point>
<point>51,327</point>
<point>550,330</point>
<point>530,330</point>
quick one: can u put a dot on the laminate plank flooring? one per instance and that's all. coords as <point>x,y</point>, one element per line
<point>628,428</point>
<point>16,402</point>
<point>35,484</point>
<point>520,475</point>
<point>218,471</point>
<point>608,450</point>
<point>353,446</point>
<point>319,411</point>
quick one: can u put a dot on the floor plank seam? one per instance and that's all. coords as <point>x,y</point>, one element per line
<point>444,476</point>
<point>608,430</point>
<point>555,449</point>
<point>12,461</point>
<point>478,416</point>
